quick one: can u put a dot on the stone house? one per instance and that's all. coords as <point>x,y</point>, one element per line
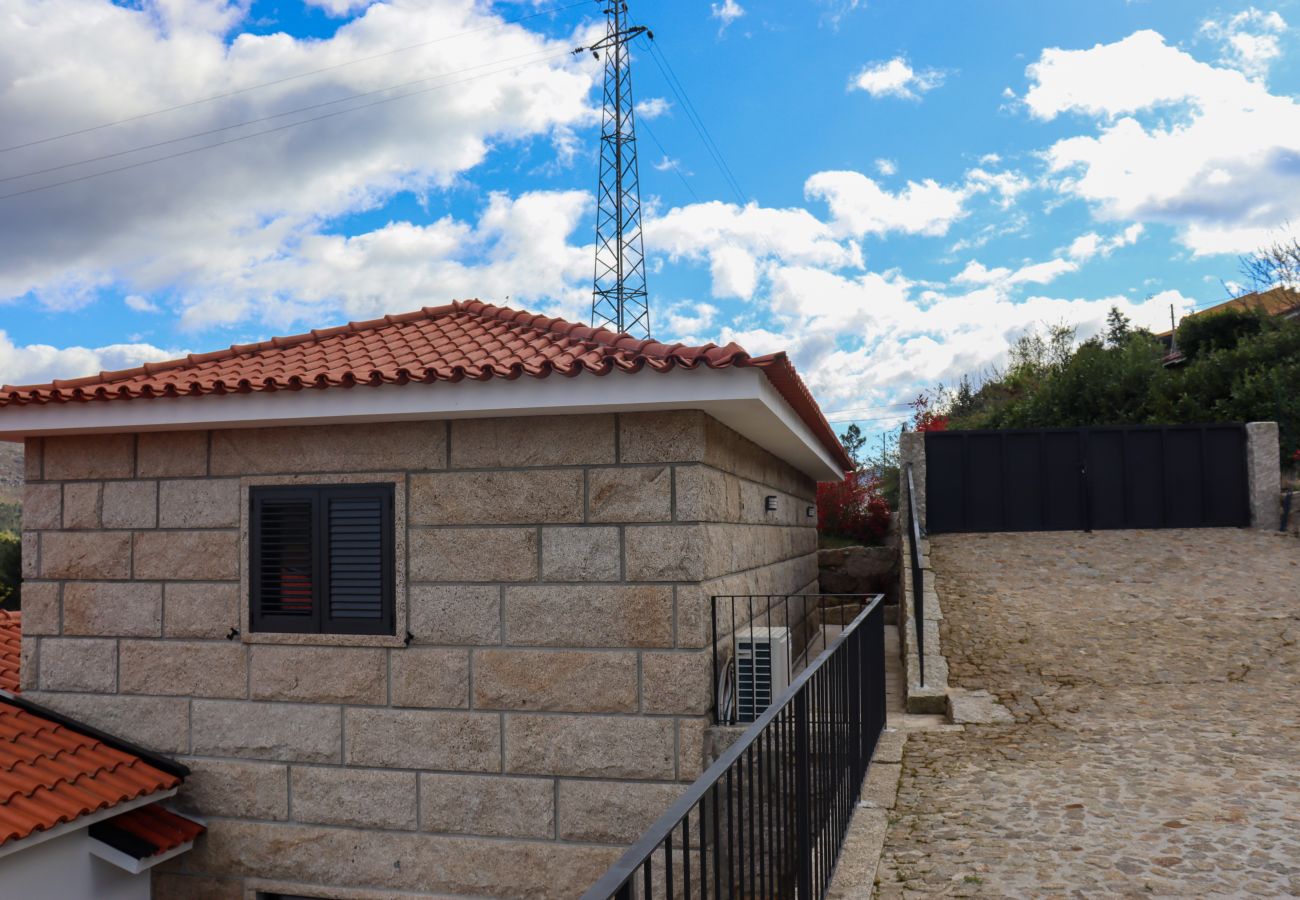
<point>423,603</point>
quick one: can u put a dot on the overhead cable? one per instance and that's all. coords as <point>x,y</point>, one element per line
<point>288,78</point>
<point>278,128</point>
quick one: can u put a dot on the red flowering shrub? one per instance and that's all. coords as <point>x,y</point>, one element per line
<point>852,508</point>
<point>926,419</point>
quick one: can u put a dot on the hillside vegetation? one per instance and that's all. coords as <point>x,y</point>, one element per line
<point>1237,366</point>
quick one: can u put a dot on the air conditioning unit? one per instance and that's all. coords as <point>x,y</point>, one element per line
<point>762,661</point>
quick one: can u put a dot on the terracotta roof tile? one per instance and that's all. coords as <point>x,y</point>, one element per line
<point>471,340</point>
<point>51,773</point>
<point>11,650</point>
<point>149,830</point>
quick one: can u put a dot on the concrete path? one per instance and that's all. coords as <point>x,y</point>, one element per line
<point>1154,678</point>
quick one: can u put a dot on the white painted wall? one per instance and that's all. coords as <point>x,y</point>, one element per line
<point>63,869</point>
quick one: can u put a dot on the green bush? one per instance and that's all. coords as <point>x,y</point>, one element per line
<point>11,570</point>
<point>1240,367</point>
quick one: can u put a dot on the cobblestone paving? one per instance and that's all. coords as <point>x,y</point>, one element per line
<point>1155,680</point>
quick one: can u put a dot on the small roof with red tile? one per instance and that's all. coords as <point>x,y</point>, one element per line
<point>54,771</point>
<point>11,650</point>
<point>147,831</point>
<point>464,340</point>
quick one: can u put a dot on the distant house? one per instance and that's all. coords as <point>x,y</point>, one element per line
<point>423,602</point>
<point>1279,302</point>
<point>80,815</point>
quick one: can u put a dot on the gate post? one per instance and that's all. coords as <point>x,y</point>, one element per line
<point>1263,474</point>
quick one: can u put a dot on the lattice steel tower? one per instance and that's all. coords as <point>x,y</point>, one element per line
<point>618,299</point>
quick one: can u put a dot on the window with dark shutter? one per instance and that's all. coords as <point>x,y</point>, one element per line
<point>321,559</point>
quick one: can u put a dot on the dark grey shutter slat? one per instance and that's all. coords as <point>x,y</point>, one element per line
<point>356,539</point>
<point>283,572</point>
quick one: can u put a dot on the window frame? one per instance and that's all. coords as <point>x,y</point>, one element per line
<point>320,622</point>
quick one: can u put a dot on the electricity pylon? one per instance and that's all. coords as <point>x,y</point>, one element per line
<point>618,299</point>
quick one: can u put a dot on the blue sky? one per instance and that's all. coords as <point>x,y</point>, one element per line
<point>922,181</point>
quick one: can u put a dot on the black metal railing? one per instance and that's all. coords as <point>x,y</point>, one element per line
<point>768,818</point>
<point>918,574</point>
<point>801,625</point>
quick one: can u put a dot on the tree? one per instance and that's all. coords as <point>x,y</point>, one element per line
<point>854,440</point>
<point>1277,265</point>
<point>1118,327</point>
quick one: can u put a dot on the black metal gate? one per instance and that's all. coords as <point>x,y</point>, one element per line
<point>1079,479</point>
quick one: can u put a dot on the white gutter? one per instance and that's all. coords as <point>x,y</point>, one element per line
<point>741,398</point>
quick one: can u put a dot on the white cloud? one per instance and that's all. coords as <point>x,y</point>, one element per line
<point>895,78</point>
<point>727,11</point>
<point>339,8</point>
<point>886,167</point>
<point>736,241</point>
<point>1087,246</point>
<point>1031,273</point>
<point>688,322</point>
<point>652,107</point>
<point>519,248</point>
<point>1179,141</point>
<point>1250,39</point>
<point>860,206</point>
<point>42,363</point>
<point>197,226</point>
<point>1006,185</point>
<point>141,304</point>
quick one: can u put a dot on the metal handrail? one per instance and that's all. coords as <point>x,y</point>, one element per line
<point>918,575</point>
<point>773,603</point>
<point>617,880</point>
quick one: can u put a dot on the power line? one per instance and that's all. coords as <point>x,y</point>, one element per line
<point>897,418</point>
<point>288,78</point>
<point>671,162</point>
<point>271,117</point>
<point>245,137</point>
<point>692,116</point>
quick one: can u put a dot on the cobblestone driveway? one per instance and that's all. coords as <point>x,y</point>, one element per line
<point>1155,680</point>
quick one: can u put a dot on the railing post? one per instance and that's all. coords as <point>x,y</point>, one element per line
<point>857,725</point>
<point>802,797</point>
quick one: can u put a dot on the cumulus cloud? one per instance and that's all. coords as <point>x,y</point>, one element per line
<point>191,226</point>
<point>137,303</point>
<point>860,206</point>
<point>1179,141</point>
<point>895,78</point>
<point>1087,246</point>
<point>886,167</point>
<point>1251,39</point>
<point>652,107</point>
<point>736,242</point>
<point>727,11</point>
<point>519,248</point>
<point>41,363</point>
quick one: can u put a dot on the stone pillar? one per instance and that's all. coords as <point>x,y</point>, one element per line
<point>911,451</point>
<point>1263,474</point>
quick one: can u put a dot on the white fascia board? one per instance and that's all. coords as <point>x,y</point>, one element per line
<point>129,863</point>
<point>40,837</point>
<point>740,398</point>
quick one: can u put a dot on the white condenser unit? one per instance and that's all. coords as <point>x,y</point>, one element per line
<point>762,661</point>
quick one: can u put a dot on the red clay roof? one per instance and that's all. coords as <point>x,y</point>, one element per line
<point>446,343</point>
<point>51,773</point>
<point>11,650</point>
<point>1273,302</point>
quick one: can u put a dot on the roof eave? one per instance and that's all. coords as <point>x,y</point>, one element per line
<point>742,398</point>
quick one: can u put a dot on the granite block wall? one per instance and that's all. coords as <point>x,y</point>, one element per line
<point>554,577</point>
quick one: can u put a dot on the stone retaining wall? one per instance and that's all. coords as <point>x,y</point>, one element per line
<point>932,695</point>
<point>554,574</point>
